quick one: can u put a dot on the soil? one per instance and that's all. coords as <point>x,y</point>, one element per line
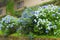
<point>29,3</point>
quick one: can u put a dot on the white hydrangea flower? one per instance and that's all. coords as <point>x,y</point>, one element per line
<point>49,23</point>
<point>35,20</point>
<point>55,20</point>
<point>38,23</point>
<point>44,21</point>
<point>57,13</point>
<point>11,25</point>
<point>48,28</point>
<point>55,26</point>
<point>7,26</point>
<point>39,19</point>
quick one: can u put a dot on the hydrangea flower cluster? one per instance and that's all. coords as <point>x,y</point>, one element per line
<point>8,19</point>
<point>28,13</point>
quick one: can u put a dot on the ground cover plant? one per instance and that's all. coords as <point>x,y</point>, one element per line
<point>45,20</point>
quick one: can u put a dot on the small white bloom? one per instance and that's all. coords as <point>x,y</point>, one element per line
<point>55,27</point>
<point>55,20</point>
<point>51,10</point>
<point>7,26</point>
<point>11,25</point>
<point>48,28</point>
<point>36,15</point>
<point>35,20</point>
<point>54,33</point>
<point>58,13</point>
<point>50,23</point>
<point>38,23</point>
<point>40,19</point>
<point>57,17</point>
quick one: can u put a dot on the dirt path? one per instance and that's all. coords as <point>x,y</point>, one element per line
<point>29,3</point>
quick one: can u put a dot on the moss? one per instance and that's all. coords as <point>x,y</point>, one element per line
<point>35,36</point>
<point>45,36</point>
<point>1,33</point>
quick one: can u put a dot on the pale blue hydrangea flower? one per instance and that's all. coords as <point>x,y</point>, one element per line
<point>45,6</point>
<point>7,19</point>
<point>36,13</point>
<point>53,14</point>
<point>47,31</point>
<point>55,26</point>
<point>11,25</point>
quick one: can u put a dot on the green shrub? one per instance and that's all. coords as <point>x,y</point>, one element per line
<point>8,25</point>
<point>26,21</point>
<point>44,20</point>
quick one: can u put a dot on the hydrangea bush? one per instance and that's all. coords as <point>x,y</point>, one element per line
<point>9,24</point>
<point>45,20</point>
